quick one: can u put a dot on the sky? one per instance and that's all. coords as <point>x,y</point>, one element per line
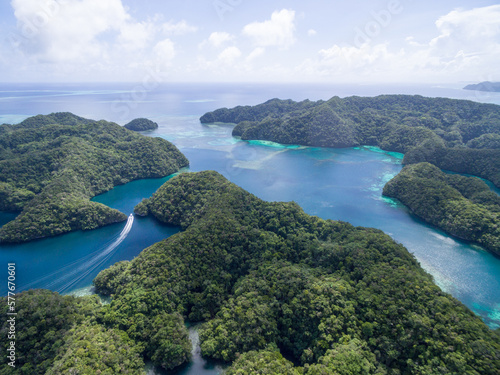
<point>332,41</point>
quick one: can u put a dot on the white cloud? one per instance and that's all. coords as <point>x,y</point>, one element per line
<point>165,51</point>
<point>279,31</point>
<point>311,32</point>
<point>229,55</point>
<point>411,41</point>
<point>222,67</point>
<point>78,36</point>
<point>466,47</point>
<point>471,24</point>
<point>69,30</point>
<point>218,39</point>
<point>179,28</point>
<point>468,43</point>
<point>475,31</point>
<point>257,52</point>
<point>339,61</point>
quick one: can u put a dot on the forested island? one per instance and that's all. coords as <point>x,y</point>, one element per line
<point>141,124</point>
<point>484,86</point>
<point>51,166</point>
<point>464,207</point>
<point>455,135</point>
<point>279,291</point>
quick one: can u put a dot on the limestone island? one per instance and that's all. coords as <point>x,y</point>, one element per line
<point>141,124</point>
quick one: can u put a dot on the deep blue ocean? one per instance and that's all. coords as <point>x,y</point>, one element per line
<point>341,184</point>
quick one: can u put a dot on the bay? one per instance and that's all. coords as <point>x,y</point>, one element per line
<point>70,262</point>
<point>339,184</point>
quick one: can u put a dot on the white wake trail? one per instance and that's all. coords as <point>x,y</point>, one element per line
<point>85,265</point>
<point>88,267</point>
<point>122,236</point>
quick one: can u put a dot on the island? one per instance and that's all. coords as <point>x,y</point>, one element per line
<point>464,207</point>
<point>484,86</point>
<point>141,124</point>
<point>51,166</point>
<point>278,290</point>
<point>454,135</point>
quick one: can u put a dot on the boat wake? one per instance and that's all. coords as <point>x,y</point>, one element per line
<point>70,275</point>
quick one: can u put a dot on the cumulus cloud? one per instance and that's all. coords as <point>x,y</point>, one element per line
<point>229,55</point>
<point>218,39</point>
<point>279,31</point>
<point>67,30</point>
<point>472,31</point>
<point>88,37</point>
<point>80,35</point>
<point>179,28</point>
<point>339,61</point>
<point>468,43</point>
<point>222,67</point>
<point>466,47</point>
<point>165,50</point>
<point>257,52</point>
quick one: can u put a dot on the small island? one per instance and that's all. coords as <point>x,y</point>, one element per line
<point>51,166</point>
<point>141,124</point>
<point>484,86</point>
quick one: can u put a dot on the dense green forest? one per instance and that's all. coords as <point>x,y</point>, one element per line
<point>50,167</point>
<point>458,135</point>
<point>61,335</point>
<point>462,206</point>
<point>286,292</point>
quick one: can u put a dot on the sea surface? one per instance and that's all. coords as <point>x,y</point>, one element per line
<point>341,184</point>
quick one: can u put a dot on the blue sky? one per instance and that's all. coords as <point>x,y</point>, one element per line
<point>362,41</point>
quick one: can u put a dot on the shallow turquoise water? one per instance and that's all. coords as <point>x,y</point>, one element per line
<point>341,184</point>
